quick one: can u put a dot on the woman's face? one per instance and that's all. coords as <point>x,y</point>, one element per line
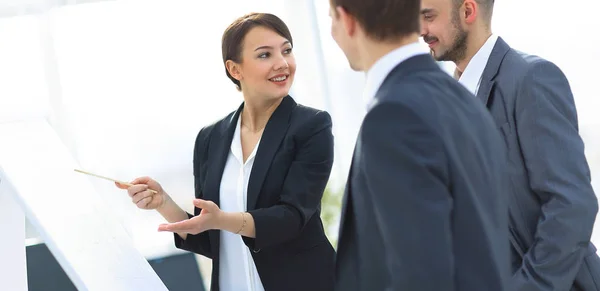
<point>268,65</point>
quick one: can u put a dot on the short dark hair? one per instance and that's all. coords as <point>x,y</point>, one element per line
<point>233,37</point>
<point>384,19</point>
<point>487,7</point>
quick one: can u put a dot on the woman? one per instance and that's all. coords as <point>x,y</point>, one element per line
<point>259,174</point>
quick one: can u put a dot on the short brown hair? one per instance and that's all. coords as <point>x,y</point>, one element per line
<point>487,6</point>
<point>233,37</point>
<point>384,19</point>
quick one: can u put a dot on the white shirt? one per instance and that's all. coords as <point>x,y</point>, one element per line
<point>471,77</point>
<point>237,271</point>
<point>379,71</point>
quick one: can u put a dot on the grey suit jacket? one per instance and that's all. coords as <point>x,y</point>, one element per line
<point>552,203</point>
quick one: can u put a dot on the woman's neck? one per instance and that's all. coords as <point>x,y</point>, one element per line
<point>255,115</point>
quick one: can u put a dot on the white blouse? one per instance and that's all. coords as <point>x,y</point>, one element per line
<point>237,271</point>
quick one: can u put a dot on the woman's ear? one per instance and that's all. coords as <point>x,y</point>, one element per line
<point>233,69</point>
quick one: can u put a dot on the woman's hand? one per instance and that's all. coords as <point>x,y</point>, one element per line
<point>141,194</point>
<point>210,218</point>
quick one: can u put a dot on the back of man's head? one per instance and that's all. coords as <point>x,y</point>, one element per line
<point>384,20</point>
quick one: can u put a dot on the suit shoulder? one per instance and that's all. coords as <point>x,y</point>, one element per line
<point>206,132</point>
<point>305,115</point>
<point>307,121</point>
<point>418,92</point>
<point>525,70</point>
<point>525,64</point>
<point>304,112</point>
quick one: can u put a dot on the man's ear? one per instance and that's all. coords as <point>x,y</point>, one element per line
<point>233,69</point>
<point>348,21</point>
<point>470,11</point>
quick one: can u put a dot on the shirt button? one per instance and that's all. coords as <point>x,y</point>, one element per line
<point>256,251</point>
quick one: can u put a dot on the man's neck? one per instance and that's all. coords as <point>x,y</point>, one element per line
<point>373,50</point>
<point>475,41</point>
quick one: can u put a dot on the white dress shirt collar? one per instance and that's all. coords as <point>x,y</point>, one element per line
<point>471,77</point>
<point>379,71</point>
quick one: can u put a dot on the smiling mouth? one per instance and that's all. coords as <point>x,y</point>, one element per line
<point>432,43</point>
<point>279,78</point>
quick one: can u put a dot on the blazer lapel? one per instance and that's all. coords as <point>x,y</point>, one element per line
<point>491,70</point>
<point>219,148</point>
<point>484,92</point>
<point>269,144</point>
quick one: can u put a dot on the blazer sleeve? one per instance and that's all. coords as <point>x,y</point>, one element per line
<point>302,189</point>
<point>406,171</point>
<point>559,175</point>
<point>198,243</point>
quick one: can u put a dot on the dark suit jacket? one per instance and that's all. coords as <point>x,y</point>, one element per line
<point>552,203</point>
<point>424,207</point>
<point>289,175</point>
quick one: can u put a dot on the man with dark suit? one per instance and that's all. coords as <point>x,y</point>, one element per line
<point>551,200</point>
<point>424,207</point>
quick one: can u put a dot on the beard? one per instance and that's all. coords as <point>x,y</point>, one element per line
<point>458,48</point>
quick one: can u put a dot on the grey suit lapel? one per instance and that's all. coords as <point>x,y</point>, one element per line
<point>491,70</point>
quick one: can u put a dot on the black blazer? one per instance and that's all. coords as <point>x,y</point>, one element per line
<point>425,207</point>
<point>552,203</point>
<point>290,172</point>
